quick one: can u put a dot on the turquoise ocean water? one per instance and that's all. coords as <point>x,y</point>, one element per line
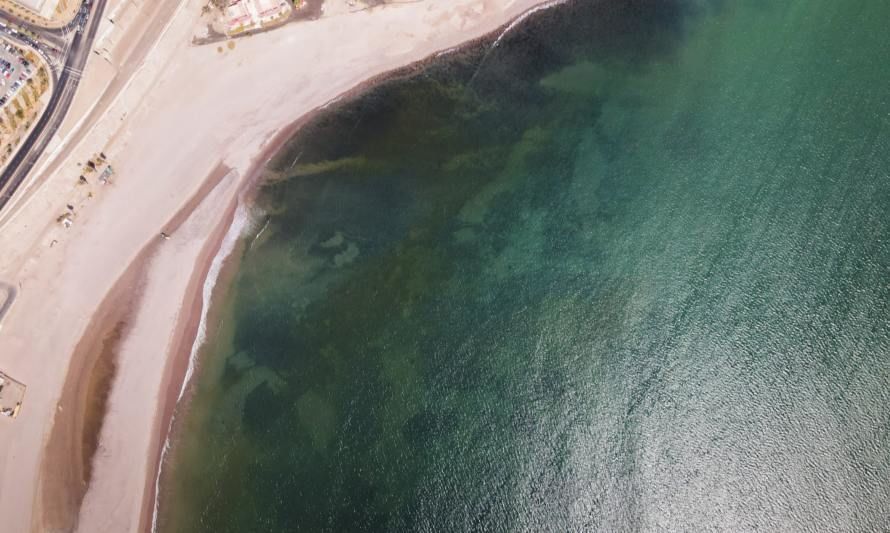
<point>628,270</point>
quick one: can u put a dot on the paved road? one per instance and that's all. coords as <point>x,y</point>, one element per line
<point>52,41</point>
<point>66,85</point>
<point>40,30</point>
<point>50,53</point>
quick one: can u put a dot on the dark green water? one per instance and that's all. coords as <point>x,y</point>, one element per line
<point>629,270</point>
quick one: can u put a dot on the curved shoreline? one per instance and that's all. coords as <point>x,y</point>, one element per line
<point>182,368</point>
<point>187,355</point>
<point>159,176</point>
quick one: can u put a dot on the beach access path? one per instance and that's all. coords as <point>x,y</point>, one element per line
<point>7,296</point>
<point>173,122</point>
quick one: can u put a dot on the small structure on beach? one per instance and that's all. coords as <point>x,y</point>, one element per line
<point>106,175</point>
<point>66,219</point>
<point>246,15</point>
<point>11,395</point>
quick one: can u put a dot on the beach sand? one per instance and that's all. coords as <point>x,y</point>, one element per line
<point>107,309</point>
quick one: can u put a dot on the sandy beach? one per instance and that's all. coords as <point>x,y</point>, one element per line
<point>107,309</point>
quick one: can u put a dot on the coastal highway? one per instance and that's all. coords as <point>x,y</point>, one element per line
<point>39,38</point>
<point>85,25</point>
<point>40,30</point>
<point>56,38</point>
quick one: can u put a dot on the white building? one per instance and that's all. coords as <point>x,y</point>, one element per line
<point>243,15</point>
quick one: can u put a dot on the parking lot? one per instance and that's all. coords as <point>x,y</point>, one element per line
<point>14,70</point>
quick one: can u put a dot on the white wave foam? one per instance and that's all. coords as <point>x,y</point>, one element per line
<point>527,14</point>
<point>240,223</point>
<point>448,50</point>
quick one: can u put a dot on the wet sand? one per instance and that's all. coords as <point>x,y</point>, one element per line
<point>74,439</point>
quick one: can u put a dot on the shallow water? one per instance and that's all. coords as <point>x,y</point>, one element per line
<point>627,270</point>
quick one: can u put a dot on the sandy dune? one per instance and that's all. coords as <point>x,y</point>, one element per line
<point>183,113</point>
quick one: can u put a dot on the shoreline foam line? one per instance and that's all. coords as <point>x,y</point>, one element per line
<point>240,222</point>
<point>521,18</point>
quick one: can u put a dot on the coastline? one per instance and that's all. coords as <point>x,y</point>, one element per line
<point>177,397</point>
<point>248,150</point>
<point>185,349</point>
<point>176,382</point>
<point>200,313</point>
<point>188,350</point>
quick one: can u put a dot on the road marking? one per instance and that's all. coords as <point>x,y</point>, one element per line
<point>73,73</point>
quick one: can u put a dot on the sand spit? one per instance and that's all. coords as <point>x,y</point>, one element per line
<point>67,467</point>
<point>111,289</point>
